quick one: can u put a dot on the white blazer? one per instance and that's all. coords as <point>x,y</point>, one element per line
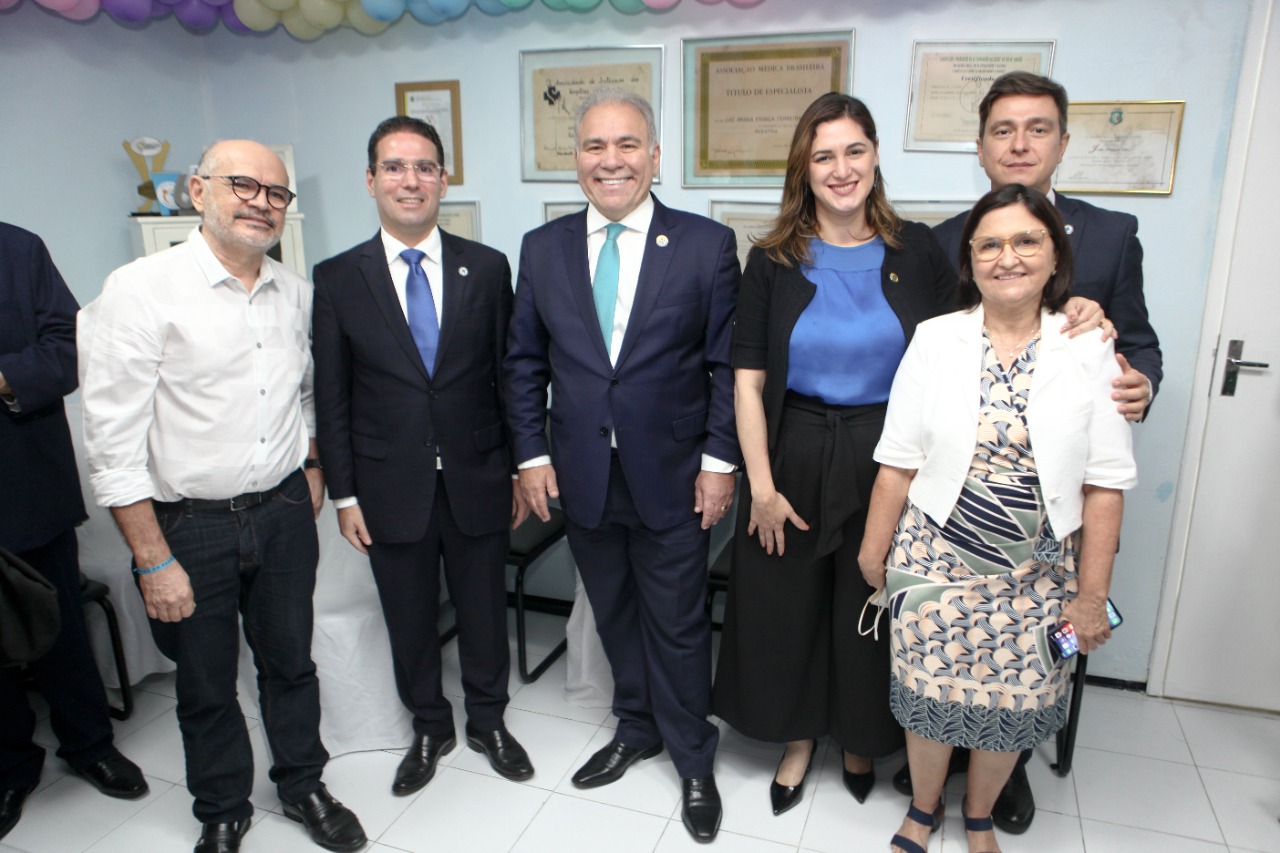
<point>1077,435</point>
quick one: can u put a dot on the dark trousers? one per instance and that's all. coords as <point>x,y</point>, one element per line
<point>408,580</point>
<point>67,676</point>
<point>259,564</point>
<point>648,590</point>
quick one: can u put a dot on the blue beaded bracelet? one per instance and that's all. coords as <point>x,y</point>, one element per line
<point>154,568</point>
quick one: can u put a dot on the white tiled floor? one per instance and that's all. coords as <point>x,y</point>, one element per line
<point>1150,775</point>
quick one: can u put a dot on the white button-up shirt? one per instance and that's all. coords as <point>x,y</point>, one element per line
<point>191,386</point>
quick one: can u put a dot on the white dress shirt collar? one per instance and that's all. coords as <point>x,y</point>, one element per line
<point>431,247</point>
<point>213,269</point>
<point>636,220</point>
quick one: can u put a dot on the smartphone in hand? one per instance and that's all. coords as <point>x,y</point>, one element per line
<point>1063,644</point>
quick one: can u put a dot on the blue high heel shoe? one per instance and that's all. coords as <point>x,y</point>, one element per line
<point>933,821</point>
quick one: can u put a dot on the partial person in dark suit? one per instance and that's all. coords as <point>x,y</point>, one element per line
<point>409,333</point>
<point>40,506</point>
<point>1022,136</point>
<point>627,310</point>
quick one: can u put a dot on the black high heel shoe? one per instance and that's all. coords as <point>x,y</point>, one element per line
<point>783,797</point>
<point>859,784</point>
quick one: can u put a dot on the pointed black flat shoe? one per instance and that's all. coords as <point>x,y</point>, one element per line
<point>784,797</point>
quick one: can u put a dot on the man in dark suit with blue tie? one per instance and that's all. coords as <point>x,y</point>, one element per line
<point>1022,135</point>
<point>626,309</point>
<point>40,506</point>
<point>409,332</point>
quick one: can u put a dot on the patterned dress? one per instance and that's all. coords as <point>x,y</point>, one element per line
<point>972,598</point>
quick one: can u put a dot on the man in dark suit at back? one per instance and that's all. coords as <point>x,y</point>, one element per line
<point>627,310</point>
<point>1022,135</point>
<point>40,506</point>
<point>409,332</point>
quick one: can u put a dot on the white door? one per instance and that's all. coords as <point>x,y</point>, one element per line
<point>1224,635</point>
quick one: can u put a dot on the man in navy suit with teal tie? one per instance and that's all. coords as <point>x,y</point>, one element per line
<point>626,309</point>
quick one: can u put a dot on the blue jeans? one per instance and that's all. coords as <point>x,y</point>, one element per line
<point>259,564</point>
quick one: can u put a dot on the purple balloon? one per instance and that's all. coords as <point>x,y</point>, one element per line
<point>196,14</point>
<point>229,18</point>
<point>130,11</point>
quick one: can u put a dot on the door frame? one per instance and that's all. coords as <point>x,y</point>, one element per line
<point>1262,17</point>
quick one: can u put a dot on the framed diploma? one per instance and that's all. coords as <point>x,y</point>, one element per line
<point>439,104</point>
<point>555,209</point>
<point>461,218</point>
<point>949,80</point>
<point>552,85</point>
<point>748,219</point>
<point>931,213</point>
<point>743,97</point>
<point>1121,147</point>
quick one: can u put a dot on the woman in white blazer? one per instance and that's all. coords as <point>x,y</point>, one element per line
<point>996,513</point>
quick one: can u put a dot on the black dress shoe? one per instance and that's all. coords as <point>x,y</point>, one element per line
<point>1015,807</point>
<point>783,797</point>
<point>609,763</point>
<point>959,763</point>
<point>11,800</point>
<point>222,837</point>
<point>331,824</point>
<point>506,756</point>
<point>116,776</point>
<point>701,811</point>
<point>859,784</point>
<point>419,764</point>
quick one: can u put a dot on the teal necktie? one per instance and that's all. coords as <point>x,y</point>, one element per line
<point>605,285</point>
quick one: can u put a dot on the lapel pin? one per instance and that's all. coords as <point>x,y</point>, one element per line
<point>1070,230</point>
<point>662,241</point>
<point>463,271</point>
<point>893,276</point>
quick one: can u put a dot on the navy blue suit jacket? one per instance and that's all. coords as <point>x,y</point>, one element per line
<point>39,484</point>
<point>1108,270</point>
<point>670,397</point>
<point>379,416</point>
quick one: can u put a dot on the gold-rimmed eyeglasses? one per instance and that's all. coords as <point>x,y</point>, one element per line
<point>247,189</point>
<point>1027,244</point>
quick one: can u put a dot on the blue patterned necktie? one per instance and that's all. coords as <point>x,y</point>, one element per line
<point>604,286</point>
<point>421,309</point>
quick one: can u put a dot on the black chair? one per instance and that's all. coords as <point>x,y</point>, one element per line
<point>1067,734</point>
<point>98,593</point>
<point>530,541</point>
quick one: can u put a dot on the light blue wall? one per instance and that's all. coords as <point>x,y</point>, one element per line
<point>72,92</point>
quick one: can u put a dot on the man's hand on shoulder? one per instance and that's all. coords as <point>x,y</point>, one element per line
<point>537,484</point>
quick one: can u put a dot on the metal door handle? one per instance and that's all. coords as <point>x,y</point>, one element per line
<point>1235,349</point>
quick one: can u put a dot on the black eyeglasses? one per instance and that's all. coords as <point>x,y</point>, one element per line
<point>247,189</point>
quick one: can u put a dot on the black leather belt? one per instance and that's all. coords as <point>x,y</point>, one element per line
<point>237,504</point>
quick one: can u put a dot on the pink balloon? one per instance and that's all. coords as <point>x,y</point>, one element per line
<point>83,10</point>
<point>130,11</point>
<point>660,4</point>
<point>196,14</point>
<point>57,5</point>
<point>9,4</point>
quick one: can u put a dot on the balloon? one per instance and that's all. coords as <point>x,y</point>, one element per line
<point>299,27</point>
<point>582,5</point>
<point>449,8</point>
<point>628,7</point>
<point>254,15</point>
<point>83,10</point>
<point>743,4</point>
<point>159,10</point>
<point>196,14</point>
<point>218,3</point>
<point>229,18</point>
<point>57,5</point>
<point>7,4</point>
<point>516,4</point>
<point>280,6</point>
<point>660,4</point>
<point>325,14</point>
<point>558,5</point>
<point>492,7</point>
<point>360,21</point>
<point>384,10</point>
<point>424,12</point>
<point>130,11</point>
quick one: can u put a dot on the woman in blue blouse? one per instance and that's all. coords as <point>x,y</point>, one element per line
<point>829,301</point>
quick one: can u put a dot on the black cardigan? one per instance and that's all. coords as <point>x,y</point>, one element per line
<point>918,283</point>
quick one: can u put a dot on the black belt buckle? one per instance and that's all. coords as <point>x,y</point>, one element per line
<point>242,502</point>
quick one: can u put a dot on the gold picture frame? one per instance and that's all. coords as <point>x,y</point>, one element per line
<point>439,104</point>
<point>1121,147</point>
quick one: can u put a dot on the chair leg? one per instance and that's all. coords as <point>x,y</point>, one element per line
<point>522,649</point>
<point>122,667</point>
<point>1067,735</point>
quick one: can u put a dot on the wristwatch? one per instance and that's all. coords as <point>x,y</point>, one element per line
<point>311,464</point>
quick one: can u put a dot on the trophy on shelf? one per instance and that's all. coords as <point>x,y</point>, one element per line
<point>139,150</point>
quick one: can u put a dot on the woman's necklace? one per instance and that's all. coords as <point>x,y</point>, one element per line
<point>1013,351</point>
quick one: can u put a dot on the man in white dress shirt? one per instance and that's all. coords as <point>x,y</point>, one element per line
<point>197,391</point>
